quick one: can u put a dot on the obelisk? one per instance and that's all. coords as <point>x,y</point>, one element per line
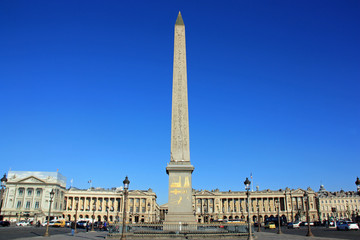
<point>180,169</point>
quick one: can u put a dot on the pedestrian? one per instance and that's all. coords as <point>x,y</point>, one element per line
<point>72,228</point>
<point>87,226</point>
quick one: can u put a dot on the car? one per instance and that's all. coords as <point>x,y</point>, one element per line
<point>305,224</point>
<point>44,224</point>
<point>347,225</point>
<point>293,225</point>
<point>67,224</point>
<point>59,223</point>
<point>4,223</point>
<point>23,223</point>
<point>81,224</point>
<point>270,225</point>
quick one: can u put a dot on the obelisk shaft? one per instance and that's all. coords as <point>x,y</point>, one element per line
<point>180,169</point>
<point>180,150</point>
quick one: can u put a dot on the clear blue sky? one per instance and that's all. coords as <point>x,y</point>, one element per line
<point>85,87</point>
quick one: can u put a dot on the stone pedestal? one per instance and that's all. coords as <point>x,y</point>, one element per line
<point>180,194</point>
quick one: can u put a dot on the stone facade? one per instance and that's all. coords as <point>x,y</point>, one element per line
<point>215,205</point>
<point>108,205</point>
<point>339,205</point>
<point>27,196</point>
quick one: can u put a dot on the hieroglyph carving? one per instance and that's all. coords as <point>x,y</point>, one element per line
<point>180,121</point>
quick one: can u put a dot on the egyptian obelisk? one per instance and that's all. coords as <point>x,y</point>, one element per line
<point>180,169</point>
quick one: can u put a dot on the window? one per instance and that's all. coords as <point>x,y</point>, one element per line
<point>131,209</point>
<point>137,201</point>
<point>37,205</point>
<point>29,192</point>
<point>38,193</point>
<point>21,192</point>
<point>143,209</point>
<point>18,204</point>
<point>137,209</point>
<point>27,205</point>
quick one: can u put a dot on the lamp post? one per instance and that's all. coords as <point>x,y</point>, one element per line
<point>247,188</point>
<point>307,198</point>
<point>126,187</point>
<point>3,185</point>
<point>52,193</point>
<point>93,219</point>
<point>76,209</point>
<point>278,212</point>
<point>258,218</point>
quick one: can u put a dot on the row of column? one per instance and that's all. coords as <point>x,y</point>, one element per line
<point>103,204</point>
<point>230,205</point>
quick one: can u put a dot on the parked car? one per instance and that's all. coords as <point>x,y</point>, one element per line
<point>4,223</point>
<point>346,225</point>
<point>81,224</point>
<point>44,224</point>
<point>293,225</point>
<point>23,223</point>
<point>305,224</point>
<point>270,225</point>
<point>59,223</point>
<point>67,224</point>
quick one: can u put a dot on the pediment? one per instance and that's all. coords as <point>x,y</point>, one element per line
<point>138,192</point>
<point>31,179</point>
<point>299,190</point>
<point>205,192</point>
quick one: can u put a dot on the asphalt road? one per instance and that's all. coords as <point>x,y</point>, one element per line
<point>14,232</point>
<point>319,232</point>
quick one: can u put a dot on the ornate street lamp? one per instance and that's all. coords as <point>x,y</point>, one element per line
<point>76,209</point>
<point>247,188</point>
<point>278,212</point>
<point>358,185</point>
<point>259,223</point>
<point>93,218</point>
<point>3,185</point>
<point>307,199</point>
<point>126,187</point>
<point>52,193</point>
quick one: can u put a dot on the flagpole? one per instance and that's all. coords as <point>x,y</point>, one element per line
<point>252,182</point>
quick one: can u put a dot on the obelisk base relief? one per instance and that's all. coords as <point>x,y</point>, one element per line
<point>180,208</point>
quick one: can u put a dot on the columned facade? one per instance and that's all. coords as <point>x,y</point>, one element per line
<point>108,205</point>
<point>216,205</point>
<point>27,195</point>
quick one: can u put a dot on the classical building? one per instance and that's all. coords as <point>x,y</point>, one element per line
<point>337,205</point>
<point>231,205</point>
<point>108,205</point>
<point>214,205</point>
<point>27,195</point>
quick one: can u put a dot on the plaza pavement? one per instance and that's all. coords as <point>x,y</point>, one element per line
<point>102,235</point>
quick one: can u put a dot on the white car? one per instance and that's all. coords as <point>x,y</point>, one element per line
<point>346,225</point>
<point>294,225</point>
<point>23,223</point>
<point>50,223</point>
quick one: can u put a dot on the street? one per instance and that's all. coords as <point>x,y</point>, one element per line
<point>14,232</point>
<point>320,233</point>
